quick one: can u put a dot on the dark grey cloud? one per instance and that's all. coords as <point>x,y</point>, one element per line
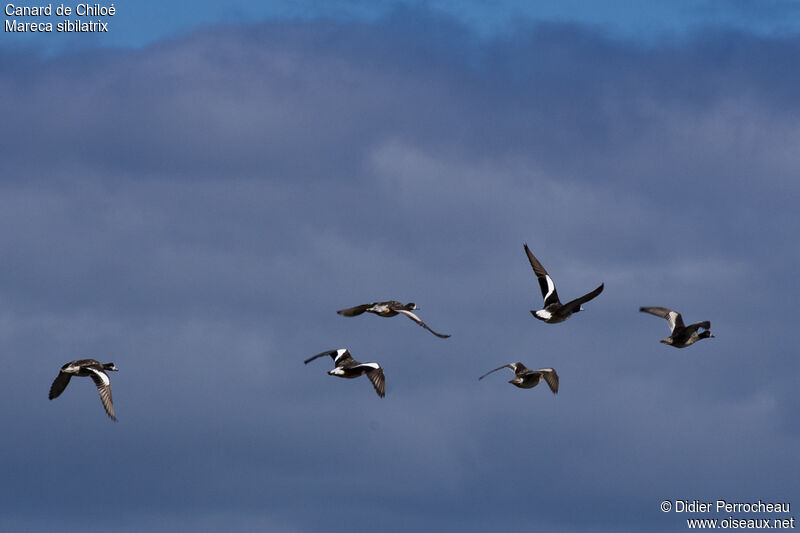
<point>195,211</point>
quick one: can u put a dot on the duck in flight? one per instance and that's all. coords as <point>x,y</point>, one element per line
<point>680,336</point>
<point>95,370</point>
<point>388,309</point>
<point>525,378</point>
<point>554,311</point>
<point>349,368</point>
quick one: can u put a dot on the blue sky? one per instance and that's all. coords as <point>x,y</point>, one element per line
<point>194,199</point>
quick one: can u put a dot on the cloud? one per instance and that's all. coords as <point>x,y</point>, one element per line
<point>197,210</point>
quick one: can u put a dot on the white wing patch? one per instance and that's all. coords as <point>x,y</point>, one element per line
<point>341,352</point>
<point>543,314</point>
<point>550,287</point>
<point>672,318</point>
<point>102,375</point>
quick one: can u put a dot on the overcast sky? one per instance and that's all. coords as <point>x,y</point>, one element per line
<point>194,201</point>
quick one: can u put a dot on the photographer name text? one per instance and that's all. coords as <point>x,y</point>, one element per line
<point>697,506</point>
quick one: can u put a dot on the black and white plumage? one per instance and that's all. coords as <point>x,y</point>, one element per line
<point>554,311</point>
<point>525,378</point>
<point>680,336</point>
<point>388,309</point>
<point>347,367</point>
<point>95,370</point>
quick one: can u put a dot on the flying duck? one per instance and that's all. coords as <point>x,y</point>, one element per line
<point>554,311</point>
<point>680,336</point>
<point>87,367</point>
<point>347,367</point>
<point>526,378</point>
<point>390,308</point>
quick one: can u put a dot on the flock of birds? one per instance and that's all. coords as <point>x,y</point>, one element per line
<point>345,366</point>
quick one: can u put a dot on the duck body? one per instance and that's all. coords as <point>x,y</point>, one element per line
<point>687,339</point>
<point>527,380</point>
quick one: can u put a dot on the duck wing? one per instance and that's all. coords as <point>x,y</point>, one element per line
<point>103,384</point>
<point>375,375</point>
<point>551,377</point>
<point>59,384</point>
<point>346,360</point>
<point>332,353</point>
<point>416,319</point>
<point>571,307</point>
<point>694,327</point>
<point>354,311</point>
<point>549,293</point>
<point>674,318</point>
<point>495,370</point>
